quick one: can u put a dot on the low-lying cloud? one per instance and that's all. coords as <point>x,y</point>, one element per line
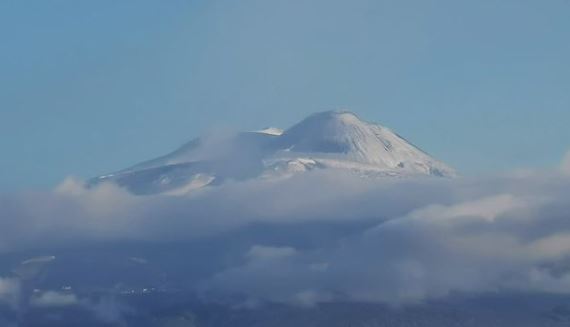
<point>9,291</point>
<point>50,299</point>
<point>565,167</point>
<point>403,240</point>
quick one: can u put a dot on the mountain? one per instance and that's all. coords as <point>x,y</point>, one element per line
<point>327,140</point>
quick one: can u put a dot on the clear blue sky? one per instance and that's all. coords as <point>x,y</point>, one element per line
<point>88,87</point>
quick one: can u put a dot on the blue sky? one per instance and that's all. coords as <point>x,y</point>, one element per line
<point>88,87</point>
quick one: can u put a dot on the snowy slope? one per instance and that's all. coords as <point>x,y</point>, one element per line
<point>342,136</point>
<point>326,140</point>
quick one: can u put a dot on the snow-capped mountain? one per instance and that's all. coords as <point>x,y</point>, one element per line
<point>326,140</point>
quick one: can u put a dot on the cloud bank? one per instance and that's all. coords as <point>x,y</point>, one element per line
<point>395,241</point>
<point>9,291</point>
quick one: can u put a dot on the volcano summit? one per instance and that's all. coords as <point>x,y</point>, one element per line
<point>327,140</point>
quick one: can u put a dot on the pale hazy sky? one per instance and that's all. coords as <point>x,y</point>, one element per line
<point>88,87</point>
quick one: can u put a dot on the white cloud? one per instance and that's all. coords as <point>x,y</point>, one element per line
<point>487,209</point>
<point>334,236</point>
<point>494,235</point>
<point>53,299</point>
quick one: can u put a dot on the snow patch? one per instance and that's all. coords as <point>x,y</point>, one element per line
<point>271,131</point>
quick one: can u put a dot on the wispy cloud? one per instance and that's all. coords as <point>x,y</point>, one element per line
<point>50,299</point>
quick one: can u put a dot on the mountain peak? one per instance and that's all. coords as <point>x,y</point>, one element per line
<point>324,140</point>
<point>339,116</point>
<point>342,135</point>
<point>331,132</point>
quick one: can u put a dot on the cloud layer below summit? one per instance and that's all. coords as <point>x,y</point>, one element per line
<point>409,239</point>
